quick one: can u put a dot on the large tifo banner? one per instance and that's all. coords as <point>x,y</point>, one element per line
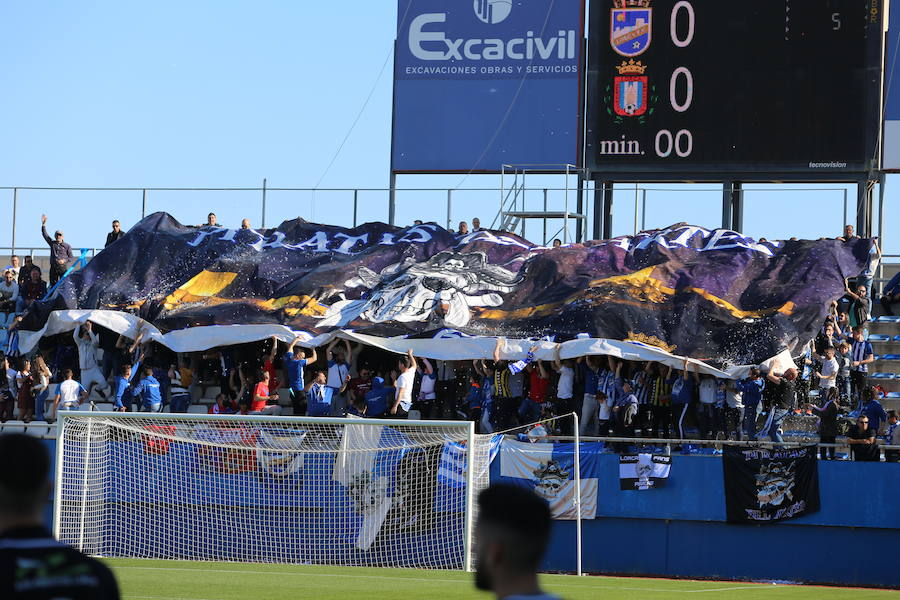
<point>764,485</point>
<point>709,294</point>
<point>479,84</point>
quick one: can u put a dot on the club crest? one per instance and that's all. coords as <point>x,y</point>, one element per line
<point>630,89</point>
<point>629,29</point>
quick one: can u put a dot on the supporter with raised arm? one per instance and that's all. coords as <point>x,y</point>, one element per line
<point>828,425</point>
<point>862,441</point>
<point>149,392</point>
<point>860,310</point>
<point>427,397</point>
<point>565,392</point>
<point>69,394</point>
<point>123,389</point>
<point>261,398</point>
<point>295,360</point>
<point>538,383</point>
<point>338,373</point>
<point>784,394</point>
<point>9,292</point>
<point>683,386</point>
<point>588,423</point>
<point>60,252</point>
<point>708,413</point>
<point>890,294</point>
<point>88,342</point>
<point>660,398</point>
<point>406,366</point>
<point>751,390</point>
<point>626,405</point>
<point>115,235</point>
<point>861,355</point>
<point>378,398</point>
<point>179,392</point>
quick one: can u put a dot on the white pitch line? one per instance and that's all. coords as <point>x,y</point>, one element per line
<point>418,579</point>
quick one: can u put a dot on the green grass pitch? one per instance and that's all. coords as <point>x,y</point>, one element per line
<point>184,580</point>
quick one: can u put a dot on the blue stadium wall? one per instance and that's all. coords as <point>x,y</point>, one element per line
<point>680,530</point>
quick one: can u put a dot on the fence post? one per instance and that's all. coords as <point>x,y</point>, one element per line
<point>144,203</point>
<point>263,223</point>
<point>15,206</point>
<point>449,207</point>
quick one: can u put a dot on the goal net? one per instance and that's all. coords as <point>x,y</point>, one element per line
<point>360,492</point>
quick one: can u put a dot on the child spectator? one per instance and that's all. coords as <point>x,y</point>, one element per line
<point>843,375</point>
<point>223,406</point>
<point>893,437</point>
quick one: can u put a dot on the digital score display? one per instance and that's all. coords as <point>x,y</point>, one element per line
<point>693,88</point>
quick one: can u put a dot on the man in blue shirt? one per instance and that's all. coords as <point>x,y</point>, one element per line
<point>122,389</point>
<point>751,395</point>
<point>873,409</point>
<point>683,386</point>
<point>861,354</point>
<point>149,391</point>
<point>378,397</point>
<point>294,361</point>
<point>319,396</point>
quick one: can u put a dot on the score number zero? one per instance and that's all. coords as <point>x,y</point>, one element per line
<point>682,142</point>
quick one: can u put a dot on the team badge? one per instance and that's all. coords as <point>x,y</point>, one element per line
<point>630,89</point>
<point>629,30</point>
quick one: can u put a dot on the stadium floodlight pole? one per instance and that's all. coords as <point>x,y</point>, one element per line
<point>577,496</point>
<point>468,550</point>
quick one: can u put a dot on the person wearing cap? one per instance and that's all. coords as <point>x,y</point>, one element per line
<point>60,252</point>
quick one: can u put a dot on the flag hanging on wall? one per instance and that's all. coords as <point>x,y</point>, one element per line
<point>765,485</point>
<point>643,471</point>
<point>549,469</point>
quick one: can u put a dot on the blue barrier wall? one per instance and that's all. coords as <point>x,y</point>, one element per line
<point>680,530</point>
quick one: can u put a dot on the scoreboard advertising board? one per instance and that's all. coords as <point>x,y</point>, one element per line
<point>695,88</point>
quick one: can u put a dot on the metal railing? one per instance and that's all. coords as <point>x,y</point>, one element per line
<point>374,203</point>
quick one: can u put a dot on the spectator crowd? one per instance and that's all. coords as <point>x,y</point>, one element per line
<point>611,396</point>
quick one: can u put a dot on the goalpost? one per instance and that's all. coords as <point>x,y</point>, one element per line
<point>355,492</point>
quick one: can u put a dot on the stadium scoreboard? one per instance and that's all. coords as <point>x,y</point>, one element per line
<point>692,88</point>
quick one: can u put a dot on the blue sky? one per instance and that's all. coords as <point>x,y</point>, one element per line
<point>224,94</point>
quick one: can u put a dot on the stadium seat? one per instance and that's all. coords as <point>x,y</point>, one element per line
<point>891,357</point>
<point>197,409</point>
<point>897,338</point>
<point>212,391</point>
<point>893,395</point>
<point>882,376</point>
<point>879,337</point>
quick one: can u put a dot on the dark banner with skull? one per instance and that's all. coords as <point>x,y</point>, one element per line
<point>767,485</point>
<point>709,294</point>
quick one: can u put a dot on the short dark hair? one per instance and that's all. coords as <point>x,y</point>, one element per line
<point>67,373</point>
<point>25,474</point>
<point>115,221</point>
<point>148,370</point>
<point>519,519</point>
<point>124,369</point>
<point>892,414</point>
